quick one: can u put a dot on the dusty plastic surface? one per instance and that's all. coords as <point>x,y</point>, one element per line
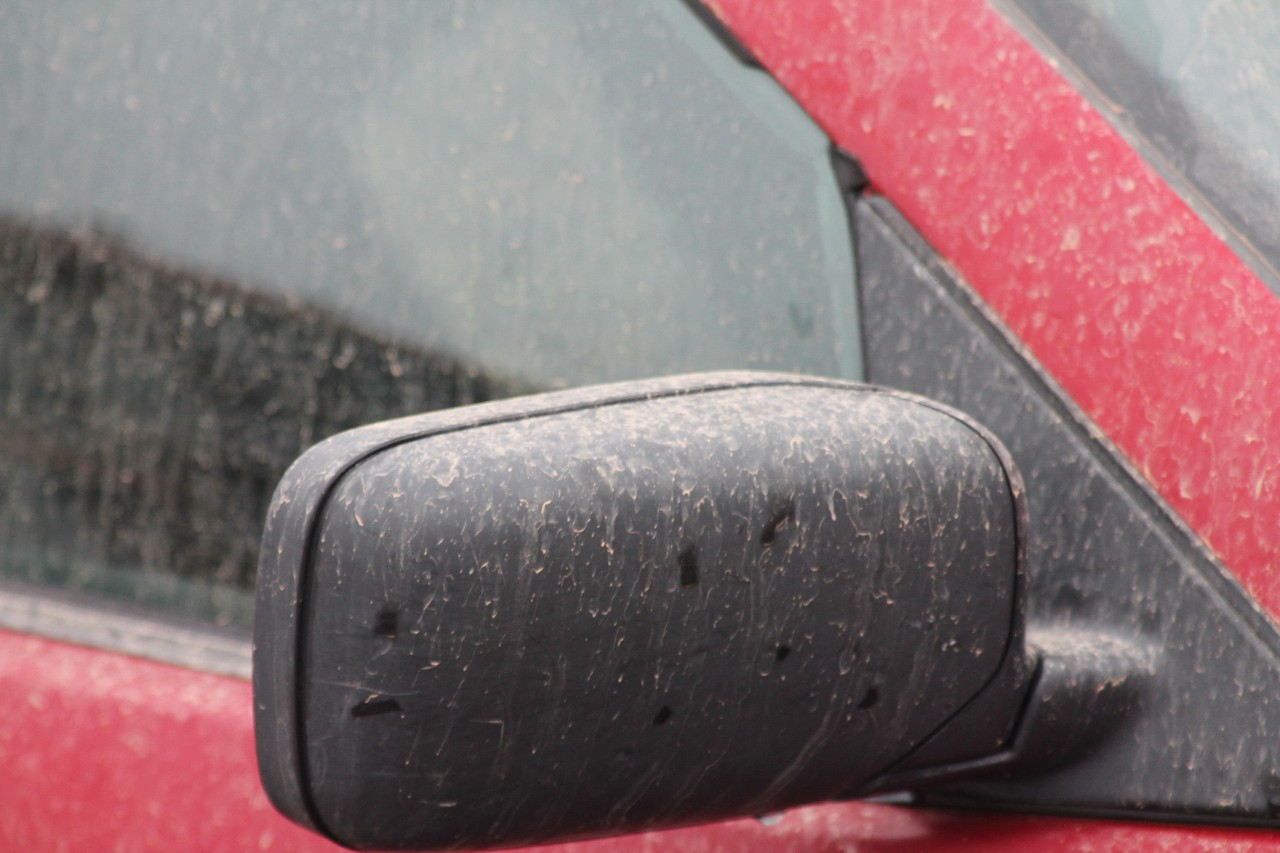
<point>1108,561</point>
<point>629,606</point>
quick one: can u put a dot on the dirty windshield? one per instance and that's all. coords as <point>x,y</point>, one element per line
<point>228,231</point>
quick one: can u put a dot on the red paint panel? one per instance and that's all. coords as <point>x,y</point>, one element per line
<point>103,752</point>
<point>1156,328</point>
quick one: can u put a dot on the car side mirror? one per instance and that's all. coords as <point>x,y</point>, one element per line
<point>634,606</point>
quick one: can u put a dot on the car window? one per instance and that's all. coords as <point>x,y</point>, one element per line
<point>230,230</point>
<point>1197,81</point>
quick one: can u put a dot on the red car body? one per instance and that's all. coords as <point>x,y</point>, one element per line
<point>1128,298</point>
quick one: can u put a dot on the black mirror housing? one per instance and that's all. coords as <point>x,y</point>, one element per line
<point>631,606</point>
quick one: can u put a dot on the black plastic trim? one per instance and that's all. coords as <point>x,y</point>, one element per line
<point>122,627</point>
<point>1200,735</point>
<point>723,34</point>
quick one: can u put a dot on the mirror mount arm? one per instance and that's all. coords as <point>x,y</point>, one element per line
<point>1085,687</point>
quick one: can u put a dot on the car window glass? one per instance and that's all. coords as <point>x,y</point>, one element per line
<point>230,230</point>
